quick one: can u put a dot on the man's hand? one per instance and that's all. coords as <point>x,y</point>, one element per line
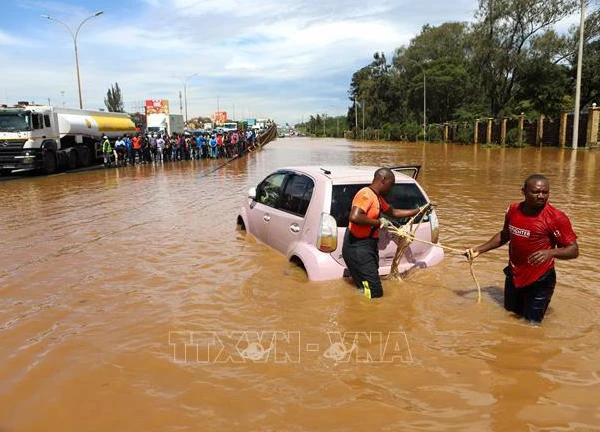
<point>540,257</point>
<point>471,254</point>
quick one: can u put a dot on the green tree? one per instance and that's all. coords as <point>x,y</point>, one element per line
<point>504,32</point>
<point>114,99</point>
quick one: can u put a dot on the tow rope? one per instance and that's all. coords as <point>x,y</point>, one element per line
<point>403,236</point>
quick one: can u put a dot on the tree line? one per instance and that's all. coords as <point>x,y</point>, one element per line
<point>510,60</point>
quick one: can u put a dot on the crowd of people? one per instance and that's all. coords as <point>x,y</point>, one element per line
<point>160,147</point>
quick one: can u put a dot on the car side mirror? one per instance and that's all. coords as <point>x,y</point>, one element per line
<point>252,193</point>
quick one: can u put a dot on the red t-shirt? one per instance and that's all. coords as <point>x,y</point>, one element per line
<point>548,229</point>
<point>372,204</point>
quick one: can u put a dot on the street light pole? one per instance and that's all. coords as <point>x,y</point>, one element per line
<point>578,84</point>
<point>74,36</point>
<point>424,106</point>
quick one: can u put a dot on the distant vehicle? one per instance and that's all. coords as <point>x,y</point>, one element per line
<point>49,138</point>
<point>228,127</point>
<point>303,213</point>
<point>164,123</point>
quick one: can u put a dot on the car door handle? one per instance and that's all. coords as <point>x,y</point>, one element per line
<point>266,218</point>
<point>294,228</point>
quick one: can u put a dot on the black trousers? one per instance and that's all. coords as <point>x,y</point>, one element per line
<point>362,259</point>
<point>532,301</point>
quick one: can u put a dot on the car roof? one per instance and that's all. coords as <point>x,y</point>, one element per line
<point>344,173</point>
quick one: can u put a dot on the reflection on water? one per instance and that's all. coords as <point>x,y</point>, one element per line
<point>99,268</point>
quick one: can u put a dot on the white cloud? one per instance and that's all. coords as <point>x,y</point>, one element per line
<point>269,57</point>
<point>7,39</point>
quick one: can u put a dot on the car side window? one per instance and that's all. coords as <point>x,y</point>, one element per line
<point>269,191</point>
<point>297,194</point>
<point>47,120</point>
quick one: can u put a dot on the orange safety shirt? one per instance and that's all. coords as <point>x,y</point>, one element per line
<point>372,204</point>
<point>137,143</point>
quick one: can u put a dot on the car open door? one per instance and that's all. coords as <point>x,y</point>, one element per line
<point>408,170</point>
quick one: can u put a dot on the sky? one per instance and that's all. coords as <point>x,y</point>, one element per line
<point>282,59</point>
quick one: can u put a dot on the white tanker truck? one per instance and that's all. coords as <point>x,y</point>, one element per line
<point>49,138</point>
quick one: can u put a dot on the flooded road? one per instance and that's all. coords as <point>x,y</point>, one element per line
<point>126,297</point>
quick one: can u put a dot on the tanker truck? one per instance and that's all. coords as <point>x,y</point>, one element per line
<point>46,138</point>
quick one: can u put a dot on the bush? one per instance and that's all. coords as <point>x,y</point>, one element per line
<point>464,135</point>
<point>512,138</point>
<point>411,130</point>
<point>392,132</point>
<point>434,133</point>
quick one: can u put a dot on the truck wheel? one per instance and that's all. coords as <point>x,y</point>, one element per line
<point>85,158</point>
<point>49,162</point>
<point>72,161</point>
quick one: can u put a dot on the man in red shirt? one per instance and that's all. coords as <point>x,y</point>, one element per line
<point>360,251</point>
<point>538,234</point>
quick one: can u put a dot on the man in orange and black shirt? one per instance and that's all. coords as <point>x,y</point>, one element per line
<point>360,250</point>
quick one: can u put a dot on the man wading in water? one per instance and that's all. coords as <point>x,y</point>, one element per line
<point>538,233</point>
<point>360,250</point>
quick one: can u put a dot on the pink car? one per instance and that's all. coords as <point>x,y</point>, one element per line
<point>303,213</point>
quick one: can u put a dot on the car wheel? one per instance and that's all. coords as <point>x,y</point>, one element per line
<point>240,223</point>
<point>298,263</point>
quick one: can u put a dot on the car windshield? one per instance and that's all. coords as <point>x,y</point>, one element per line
<point>15,121</point>
<point>402,196</point>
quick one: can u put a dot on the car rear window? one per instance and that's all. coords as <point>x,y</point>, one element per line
<point>402,196</point>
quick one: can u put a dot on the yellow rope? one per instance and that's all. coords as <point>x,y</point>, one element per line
<point>408,237</point>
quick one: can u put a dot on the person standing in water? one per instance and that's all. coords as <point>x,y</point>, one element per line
<point>539,234</point>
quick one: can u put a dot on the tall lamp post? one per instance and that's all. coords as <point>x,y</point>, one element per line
<point>74,36</point>
<point>421,65</point>
<point>424,105</point>
<point>578,84</point>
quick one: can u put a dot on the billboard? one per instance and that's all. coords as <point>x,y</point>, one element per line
<point>251,121</point>
<point>155,106</point>
<point>220,117</point>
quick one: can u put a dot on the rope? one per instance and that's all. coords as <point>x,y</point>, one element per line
<point>403,238</point>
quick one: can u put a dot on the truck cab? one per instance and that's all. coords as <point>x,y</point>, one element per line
<point>25,134</point>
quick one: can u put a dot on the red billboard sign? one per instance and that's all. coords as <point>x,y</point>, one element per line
<point>220,117</point>
<point>155,106</point>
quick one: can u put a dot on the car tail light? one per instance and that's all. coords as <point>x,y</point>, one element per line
<point>435,226</point>
<point>327,241</point>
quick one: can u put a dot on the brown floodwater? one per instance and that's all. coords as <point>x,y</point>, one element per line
<point>129,301</point>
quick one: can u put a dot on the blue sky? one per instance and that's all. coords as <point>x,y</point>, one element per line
<point>283,59</point>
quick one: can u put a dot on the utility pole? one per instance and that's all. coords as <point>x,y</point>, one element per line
<point>355,119</point>
<point>324,122</point>
<point>424,106</point>
<point>180,103</point>
<point>49,104</point>
<point>185,98</point>
<point>363,116</point>
<point>337,127</point>
<point>578,84</point>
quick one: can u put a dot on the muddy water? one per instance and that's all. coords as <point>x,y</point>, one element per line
<point>105,276</point>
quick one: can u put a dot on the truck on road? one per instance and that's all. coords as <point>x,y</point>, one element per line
<point>164,123</point>
<point>47,138</point>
